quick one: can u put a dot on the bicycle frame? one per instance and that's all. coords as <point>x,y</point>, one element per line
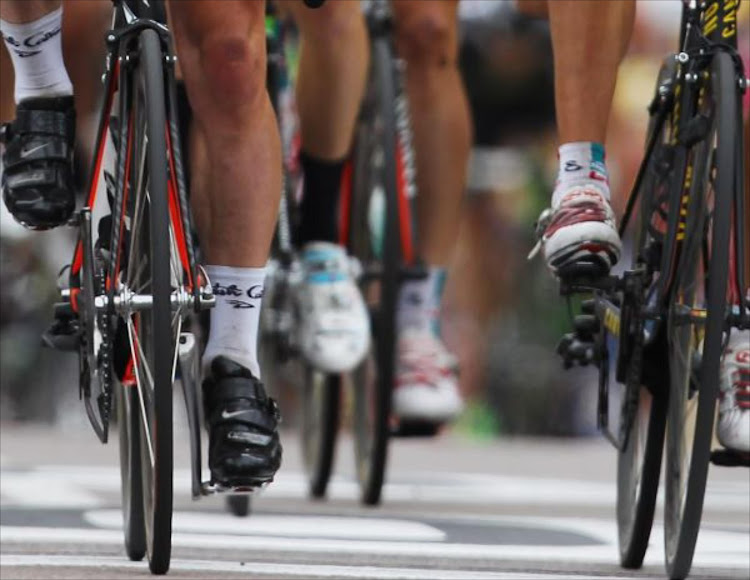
<point>707,26</point>
<point>120,42</point>
<point>379,18</point>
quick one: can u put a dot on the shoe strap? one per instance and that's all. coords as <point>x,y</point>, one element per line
<point>226,389</point>
<point>41,122</point>
<point>21,152</point>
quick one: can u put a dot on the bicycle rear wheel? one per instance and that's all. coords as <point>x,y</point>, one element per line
<point>150,269</point>
<point>644,408</point>
<point>374,239</point>
<point>697,314</point>
<point>638,468</point>
<point>321,404</point>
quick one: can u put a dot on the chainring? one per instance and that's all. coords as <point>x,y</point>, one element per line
<point>96,346</point>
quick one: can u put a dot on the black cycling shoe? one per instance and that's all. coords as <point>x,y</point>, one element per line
<point>37,178</point>
<point>244,448</point>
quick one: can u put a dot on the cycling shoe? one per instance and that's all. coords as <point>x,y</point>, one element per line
<point>244,446</point>
<point>37,180</point>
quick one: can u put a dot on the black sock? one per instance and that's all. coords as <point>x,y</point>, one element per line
<point>319,210</point>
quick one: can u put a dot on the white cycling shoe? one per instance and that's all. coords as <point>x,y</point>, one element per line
<point>733,429</point>
<point>334,325</point>
<point>579,228</point>
<point>426,380</point>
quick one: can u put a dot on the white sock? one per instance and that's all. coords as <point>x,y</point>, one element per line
<point>582,162</point>
<point>419,302</point>
<point>236,316</point>
<point>36,51</point>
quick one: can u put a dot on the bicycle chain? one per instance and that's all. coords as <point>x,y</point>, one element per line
<point>104,355</point>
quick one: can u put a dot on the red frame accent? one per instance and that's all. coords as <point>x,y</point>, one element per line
<point>345,204</point>
<point>78,256</point>
<point>74,299</point>
<point>128,380</point>
<point>404,209</point>
<point>175,212</point>
<point>128,157</point>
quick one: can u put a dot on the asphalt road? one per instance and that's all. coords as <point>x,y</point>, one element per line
<point>454,509</point>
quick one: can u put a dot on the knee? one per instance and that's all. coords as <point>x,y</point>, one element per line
<point>233,67</point>
<point>428,40</point>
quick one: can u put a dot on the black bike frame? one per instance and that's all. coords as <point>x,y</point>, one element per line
<point>706,27</point>
<point>121,44</point>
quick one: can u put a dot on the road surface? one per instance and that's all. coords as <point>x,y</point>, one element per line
<point>453,509</point>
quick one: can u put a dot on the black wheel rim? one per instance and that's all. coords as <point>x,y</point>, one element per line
<point>696,319</point>
<point>375,241</point>
<point>152,271</point>
<point>320,422</point>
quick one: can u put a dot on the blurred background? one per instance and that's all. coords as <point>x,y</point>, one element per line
<point>502,313</point>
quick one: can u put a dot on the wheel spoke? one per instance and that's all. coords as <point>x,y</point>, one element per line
<point>176,343</point>
<point>132,336</point>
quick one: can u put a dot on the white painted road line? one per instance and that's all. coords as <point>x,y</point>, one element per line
<point>41,490</point>
<point>75,486</point>
<point>344,528</point>
<point>725,550</point>
<point>261,569</point>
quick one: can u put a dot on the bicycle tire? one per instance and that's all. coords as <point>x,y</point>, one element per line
<point>128,423</point>
<point>373,379</point>
<point>686,476</point>
<point>637,489</point>
<point>321,404</point>
<point>639,461</point>
<point>148,268</point>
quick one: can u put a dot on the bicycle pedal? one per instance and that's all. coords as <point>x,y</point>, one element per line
<point>63,335</point>
<point>572,349</point>
<point>586,325</point>
<point>244,487</point>
<point>584,277</point>
<point>729,458</point>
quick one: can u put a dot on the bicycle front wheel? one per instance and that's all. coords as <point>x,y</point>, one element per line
<point>130,471</point>
<point>697,315</point>
<point>375,241</point>
<point>148,271</point>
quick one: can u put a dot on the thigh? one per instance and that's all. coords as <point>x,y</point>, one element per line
<point>195,20</point>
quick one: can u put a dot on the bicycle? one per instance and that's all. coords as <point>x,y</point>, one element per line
<point>376,227</point>
<point>134,281</point>
<point>686,290</point>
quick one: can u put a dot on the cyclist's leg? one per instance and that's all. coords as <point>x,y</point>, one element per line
<point>330,85</point>
<point>589,39</point>
<point>221,45</point>
<point>427,38</point>
<point>37,177</point>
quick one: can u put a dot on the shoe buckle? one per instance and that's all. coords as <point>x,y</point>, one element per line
<point>5,133</point>
<point>273,407</point>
